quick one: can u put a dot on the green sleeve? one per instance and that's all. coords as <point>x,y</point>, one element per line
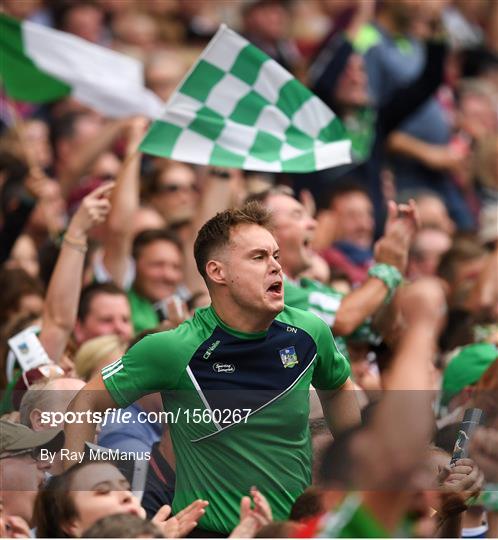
<point>154,364</point>
<point>331,368</point>
<point>142,370</point>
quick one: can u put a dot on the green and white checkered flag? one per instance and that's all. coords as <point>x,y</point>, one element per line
<point>239,108</point>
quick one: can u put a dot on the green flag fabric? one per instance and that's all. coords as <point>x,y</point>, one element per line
<point>239,108</point>
<point>41,65</point>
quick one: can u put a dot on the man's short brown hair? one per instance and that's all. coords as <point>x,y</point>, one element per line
<point>215,233</point>
<point>149,236</point>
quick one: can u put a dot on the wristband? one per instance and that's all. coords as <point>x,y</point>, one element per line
<point>389,275</point>
<point>82,247</point>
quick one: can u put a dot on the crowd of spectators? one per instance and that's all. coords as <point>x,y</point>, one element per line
<point>96,252</point>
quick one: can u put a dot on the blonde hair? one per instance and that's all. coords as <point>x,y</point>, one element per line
<point>94,351</point>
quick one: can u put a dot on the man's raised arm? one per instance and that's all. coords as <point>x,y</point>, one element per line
<point>340,407</point>
<point>93,397</point>
<point>61,303</point>
<point>391,255</point>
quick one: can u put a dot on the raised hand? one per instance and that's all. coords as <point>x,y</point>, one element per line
<point>93,210</point>
<point>169,527</point>
<point>182,523</point>
<point>463,481</point>
<point>190,516</point>
<point>402,222</point>
<point>422,300</point>
<point>252,519</point>
<point>135,129</point>
<point>261,505</point>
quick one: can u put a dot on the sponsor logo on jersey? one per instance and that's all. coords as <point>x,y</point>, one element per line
<point>288,357</point>
<point>219,367</point>
<point>210,349</point>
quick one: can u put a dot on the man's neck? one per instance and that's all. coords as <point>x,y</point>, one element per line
<point>242,320</point>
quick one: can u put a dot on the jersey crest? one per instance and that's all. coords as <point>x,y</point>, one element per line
<point>288,357</point>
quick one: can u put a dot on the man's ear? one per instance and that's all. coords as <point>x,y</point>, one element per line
<point>215,271</point>
<point>35,419</point>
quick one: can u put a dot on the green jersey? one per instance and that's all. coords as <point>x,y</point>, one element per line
<point>238,405</point>
<point>313,296</point>
<point>324,301</point>
<point>143,314</point>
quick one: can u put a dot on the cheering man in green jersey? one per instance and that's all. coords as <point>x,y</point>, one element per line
<point>235,378</point>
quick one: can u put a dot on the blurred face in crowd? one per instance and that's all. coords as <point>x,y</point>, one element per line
<point>20,478</point>
<point>84,21</point>
<point>50,212</point>
<point>466,274</point>
<point>433,213</point>
<point>163,74</point>
<point>352,89</point>
<point>12,526</point>
<point>354,216</point>
<point>24,255</point>
<point>159,7</point>
<point>176,197</point>
<point>402,12</point>
<point>21,10</point>
<point>108,314</point>
<point>334,7</point>
<point>138,29</point>
<point>428,13</point>
<point>270,21</point>
<point>159,270</point>
<point>249,268</point>
<point>429,245</point>
<point>100,490</point>
<point>477,115</point>
<point>55,396</point>
<point>37,142</point>
<point>30,304</point>
<point>106,167</point>
<point>86,128</point>
<point>147,218</point>
<point>293,230</point>
<point>319,270</point>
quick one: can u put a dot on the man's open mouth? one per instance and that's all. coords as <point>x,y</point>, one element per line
<point>275,287</point>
